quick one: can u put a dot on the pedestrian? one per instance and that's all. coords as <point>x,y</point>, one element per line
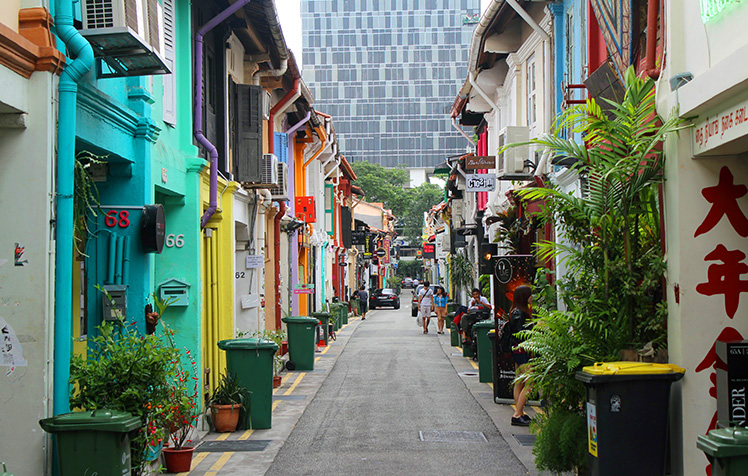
<point>440,304</point>
<point>478,302</point>
<point>519,314</point>
<point>426,304</point>
<point>356,303</point>
<point>363,301</point>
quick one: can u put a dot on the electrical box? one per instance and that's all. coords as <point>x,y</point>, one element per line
<point>175,292</point>
<point>114,307</point>
<point>305,209</point>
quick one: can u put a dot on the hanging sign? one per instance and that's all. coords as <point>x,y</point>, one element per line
<point>429,250</point>
<point>480,162</point>
<point>480,182</point>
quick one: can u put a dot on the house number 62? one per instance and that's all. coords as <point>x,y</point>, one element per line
<point>173,240</point>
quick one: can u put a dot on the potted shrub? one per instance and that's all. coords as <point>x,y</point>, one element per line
<point>180,416</point>
<point>129,372</point>
<point>226,403</point>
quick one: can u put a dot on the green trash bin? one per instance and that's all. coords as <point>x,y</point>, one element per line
<point>336,317</point>
<point>250,361</point>
<point>627,414</point>
<point>484,350</point>
<point>452,307</point>
<point>95,442</point>
<point>454,335</point>
<point>344,312</point>
<point>727,450</point>
<point>324,319</point>
<point>300,342</point>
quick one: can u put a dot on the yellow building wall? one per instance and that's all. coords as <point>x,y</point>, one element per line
<point>217,273</point>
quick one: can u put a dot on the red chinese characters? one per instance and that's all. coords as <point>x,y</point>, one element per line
<point>724,277</point>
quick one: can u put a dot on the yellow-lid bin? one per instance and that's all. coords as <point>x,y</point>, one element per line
<point>631,368</point>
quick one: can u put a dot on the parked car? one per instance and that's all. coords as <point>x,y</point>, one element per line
<point>414,301</point>
<point>384,297</point>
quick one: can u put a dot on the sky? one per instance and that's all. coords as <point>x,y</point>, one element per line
<point>289,12</point>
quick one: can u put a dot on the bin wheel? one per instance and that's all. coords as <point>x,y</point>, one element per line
<point>290,365</point>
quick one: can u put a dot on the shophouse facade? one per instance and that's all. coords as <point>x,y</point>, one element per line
<point>704,80</point>
<point>29,72</point>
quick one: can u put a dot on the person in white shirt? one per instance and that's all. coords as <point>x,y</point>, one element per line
<point>478,301</point>
<point>425,304</point>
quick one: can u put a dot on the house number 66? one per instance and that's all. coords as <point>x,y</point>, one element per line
<point>174,240</point>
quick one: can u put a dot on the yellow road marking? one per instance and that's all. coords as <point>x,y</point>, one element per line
<point>490,384</point>
<point>246,435</point>
<point>295,383</point>
<point>316,359</point>
<point>538,410</point>
<point>475,366</point>
<point>223,436</point>
<point>275,405</point>
<point>283,380</point>
<point>219,464</point>
<point>196,460</point>
<point>326,349</point>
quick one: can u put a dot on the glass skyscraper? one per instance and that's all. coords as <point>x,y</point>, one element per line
<point>388,72</point>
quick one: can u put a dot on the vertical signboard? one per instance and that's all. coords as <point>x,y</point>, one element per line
<point>732,381</point>
<point>510,272</point>
<point>386,244</point>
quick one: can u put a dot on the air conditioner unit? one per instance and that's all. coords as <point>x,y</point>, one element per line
<point>281,191</point>
<point>269,172</point>
<point>127,35</point>
<point>511,162</point>
<point>266,98</point>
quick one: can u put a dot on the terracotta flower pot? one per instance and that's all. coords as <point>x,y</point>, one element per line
<point>178,461</point>
<point>276,381</point>
<point>225,417</point>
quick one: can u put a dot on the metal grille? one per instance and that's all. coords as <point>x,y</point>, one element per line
<point>452,436</point>
<point>234,445</point>
<point>524,440</point>
<point>99,14</point>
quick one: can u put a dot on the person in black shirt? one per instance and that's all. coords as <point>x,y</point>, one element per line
<point>363,301</point>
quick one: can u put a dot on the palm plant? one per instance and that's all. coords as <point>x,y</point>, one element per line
<point>613,288</point>
<point>461,272</point>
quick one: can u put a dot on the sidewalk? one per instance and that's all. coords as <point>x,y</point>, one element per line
<point>251,452</point>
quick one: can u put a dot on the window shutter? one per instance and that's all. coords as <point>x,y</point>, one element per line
<point>281,147</point>
<point>329,210</point>
<point>249,131</point>
<point>345,230</point>
<point>169,80</point>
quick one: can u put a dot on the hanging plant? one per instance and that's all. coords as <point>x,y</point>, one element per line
<point>86,202</point>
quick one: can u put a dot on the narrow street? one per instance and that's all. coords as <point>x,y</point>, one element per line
<point>390,383</point>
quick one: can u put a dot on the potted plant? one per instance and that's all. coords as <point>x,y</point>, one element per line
<point>227,401</point>
<point>179,417</point>
<point>126,371</point>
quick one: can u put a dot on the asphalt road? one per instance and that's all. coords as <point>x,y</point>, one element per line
<point>390,383</point>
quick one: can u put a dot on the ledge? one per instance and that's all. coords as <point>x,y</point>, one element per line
<point>32,48</point>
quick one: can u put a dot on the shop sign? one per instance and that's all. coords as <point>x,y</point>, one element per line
<point>358,237</point>
<point>386,244</point>
<point>429,250</point>
<point>712,8</point>
<point>717,134</point>
<point>254,261</point>
<point>480,182</point>
<point>442,245</point>
<point>480,162</point>
<point>303,289</point>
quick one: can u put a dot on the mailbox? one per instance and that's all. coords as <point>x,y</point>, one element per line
<point>175,291</point>
<point>114,308</point>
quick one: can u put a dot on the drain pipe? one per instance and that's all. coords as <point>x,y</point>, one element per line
<point>653,7</point>
<point>81,50</point>
<point>283,103</point>
<point>294,298</point>
<point>198,110</point>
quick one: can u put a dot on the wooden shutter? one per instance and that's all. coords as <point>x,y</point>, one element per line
<point>345,224</point>
<point>169,80</point>
<point>249,133</point>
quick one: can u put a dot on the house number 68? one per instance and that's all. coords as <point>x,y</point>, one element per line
<point>174,240</point>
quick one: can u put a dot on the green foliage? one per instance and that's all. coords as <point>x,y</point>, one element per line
<point>562,443</point>
<point>129,372</point>
<point>461,272</point>
<point>85,198</point>
<point>229,392</point>
<point>410,268</point>
<point>389,186</point>
<point>277,336</point>
<point>611,248</point>
<point>484,283</point>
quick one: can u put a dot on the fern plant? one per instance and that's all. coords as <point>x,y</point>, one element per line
<point>85,198</point>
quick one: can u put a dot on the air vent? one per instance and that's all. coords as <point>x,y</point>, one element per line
<point>126,36</point>
<point>281,191</point>
<point>269,173</point>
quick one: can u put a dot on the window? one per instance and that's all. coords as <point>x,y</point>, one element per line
<point>531,93</point>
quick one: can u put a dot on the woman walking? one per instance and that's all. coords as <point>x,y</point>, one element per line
<point>440,304</point>
<point>363,301</point>
<point>425,304</point>
<point>518,316</point>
